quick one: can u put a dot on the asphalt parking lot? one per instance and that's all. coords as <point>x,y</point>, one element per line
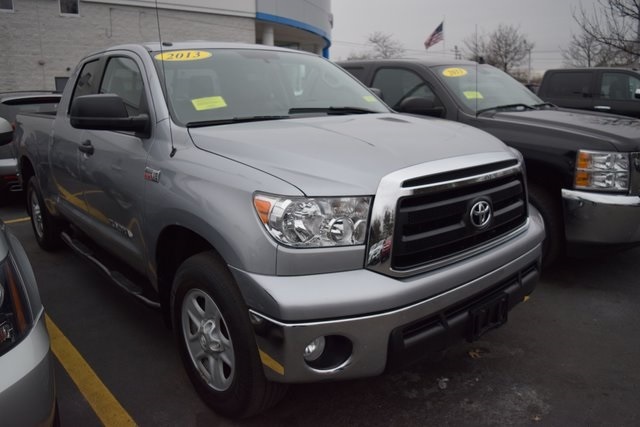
<point>570,356</point>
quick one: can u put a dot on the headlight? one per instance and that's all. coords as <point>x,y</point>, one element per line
<point>599,170</point>
<point>304,222</point>
<point>15,315</point>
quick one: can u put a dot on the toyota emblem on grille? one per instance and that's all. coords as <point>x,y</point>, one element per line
<point>480,214</point>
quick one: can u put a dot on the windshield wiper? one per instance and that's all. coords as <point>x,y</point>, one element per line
<point>506,107</point>
<point>331,110</point>
<point>233,120</point>
<point>545,104</point>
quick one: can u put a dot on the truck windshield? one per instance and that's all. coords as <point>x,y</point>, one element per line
<point>221,86</point>
<point>483,87</point>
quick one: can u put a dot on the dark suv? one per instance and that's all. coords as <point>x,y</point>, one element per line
<point>608,90</point>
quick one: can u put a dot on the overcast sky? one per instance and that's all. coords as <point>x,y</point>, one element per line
<point>547,23</point>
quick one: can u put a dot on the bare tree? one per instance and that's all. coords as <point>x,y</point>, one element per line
<point>585,51</point>
<point>507,47</point>
<point>381,45</point>
<point>613,23</point>
<point>504,48</point>
<point>475,47</point>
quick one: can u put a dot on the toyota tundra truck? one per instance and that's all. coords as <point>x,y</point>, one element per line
<point>289,225</point>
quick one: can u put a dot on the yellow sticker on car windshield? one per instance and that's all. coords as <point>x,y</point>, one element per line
<point>454,72</point>
<point>369,98</point>
<point>208,103</point>
<point>472,94</point>
<point>183,55</point>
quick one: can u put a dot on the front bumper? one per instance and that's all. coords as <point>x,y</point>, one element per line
<point>27,385</point>
<point>593,218</point>
<point>9,175</point>
<point>369,342</point>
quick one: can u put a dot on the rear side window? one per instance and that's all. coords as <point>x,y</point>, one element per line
<point>569,85</point>
<point>87,83</point>
<point>619,86</point>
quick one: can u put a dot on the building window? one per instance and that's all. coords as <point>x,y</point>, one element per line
<point>69,7</point>
<point>6,5</point>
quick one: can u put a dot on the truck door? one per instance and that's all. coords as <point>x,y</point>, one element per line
<point>65,154</point>
<point>114,171</point>
<point>618,93</point>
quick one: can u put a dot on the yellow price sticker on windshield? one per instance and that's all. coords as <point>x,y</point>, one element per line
<point>472,94</point>
<point>369,98</point>
<point>183,55</point>
<point>208,103</point>
<point>454,72</point>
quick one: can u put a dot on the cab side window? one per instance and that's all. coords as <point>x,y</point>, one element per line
<point>570,84</point>
<point>87,83</point>
<point>619,86</point>
<point>122,77</point>
<point>398,84</point>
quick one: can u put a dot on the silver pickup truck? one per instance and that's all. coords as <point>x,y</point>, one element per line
<point>288,224</point>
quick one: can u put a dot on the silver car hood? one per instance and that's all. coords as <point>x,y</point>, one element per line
<point>342,155</point>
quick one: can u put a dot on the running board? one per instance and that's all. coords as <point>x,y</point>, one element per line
<point>118,278</point>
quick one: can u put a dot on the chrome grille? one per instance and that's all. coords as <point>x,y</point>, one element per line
<point>433,226</point>
<point>421,215</point>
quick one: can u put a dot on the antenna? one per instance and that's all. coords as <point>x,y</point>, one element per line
<point>164,77</point>
<point>477,60</point>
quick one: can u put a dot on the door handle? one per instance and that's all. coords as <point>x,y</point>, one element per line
<point>86,148</point>
<point>602,107</point>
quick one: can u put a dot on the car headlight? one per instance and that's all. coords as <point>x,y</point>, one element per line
<point>600,170</point>
<point>15,316</point>
<point>312,222</point>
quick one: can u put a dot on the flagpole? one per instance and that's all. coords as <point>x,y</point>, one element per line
<point>444,40</point>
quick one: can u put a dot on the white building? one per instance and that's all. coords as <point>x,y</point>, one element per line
<point>42,40</point>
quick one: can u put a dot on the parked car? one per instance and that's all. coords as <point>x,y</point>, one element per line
<point>27,385</point>
<point>252,190</point>
<point>608,90</point>
<point>12,103</point>
<point>582,167</point>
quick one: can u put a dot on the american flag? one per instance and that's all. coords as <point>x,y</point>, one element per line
<point>435,37</point>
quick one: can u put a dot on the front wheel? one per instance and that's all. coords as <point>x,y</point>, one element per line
<point>553,246</point>
<point>216,340</point>
<point>46,228</point>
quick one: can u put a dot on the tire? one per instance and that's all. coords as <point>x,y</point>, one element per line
<point>46,228</point>
<point>553,246</point>
<point>216,340</point>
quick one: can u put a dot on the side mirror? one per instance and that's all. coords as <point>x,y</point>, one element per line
<point>6,132</point>
<point>377,92</point>
<point>637,94</point>
<point>106,112</point>
<point>422,106</point>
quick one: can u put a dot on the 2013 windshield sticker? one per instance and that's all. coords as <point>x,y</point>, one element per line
<point>183,55</point>
<point>472,94</point>
<point>208,103</point>
<point>454,72</point>
<point>369,98</point>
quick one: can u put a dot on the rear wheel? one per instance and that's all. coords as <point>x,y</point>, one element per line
<point>216,340</point>
<point>46,227</point>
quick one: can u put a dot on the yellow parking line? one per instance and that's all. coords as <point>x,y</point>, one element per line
<point>15,221</point>
<point>104,404</point>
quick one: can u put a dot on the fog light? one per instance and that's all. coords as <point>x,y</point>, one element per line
<point>314,349</point>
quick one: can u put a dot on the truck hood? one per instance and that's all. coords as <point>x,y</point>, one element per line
<point>342,155</point>
<point>621,133</point>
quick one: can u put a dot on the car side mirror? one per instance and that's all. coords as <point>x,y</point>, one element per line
<point>106,112</point>
<point>6,132</point>
<point>637,94</point>
<point>422,106</point>
<point>377,92</point>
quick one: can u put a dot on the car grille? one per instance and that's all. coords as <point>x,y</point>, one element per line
<point>437,224</point>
